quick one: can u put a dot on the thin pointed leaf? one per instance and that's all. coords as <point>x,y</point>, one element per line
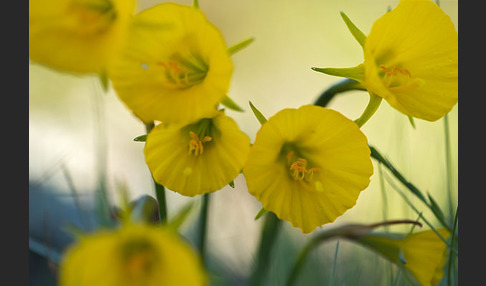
<point>356,73</point>
<point>104,80</point>
<point>229,103</point>
<point>357,34</point>
<point>435,208</point>
<point>410,118</point>
<point>260,213</point>
<point>141,138</point>
<point>258,114</point>
<point>181,216</point>
<point>239,46</point>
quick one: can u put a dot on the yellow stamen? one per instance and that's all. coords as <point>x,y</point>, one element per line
<point>399,79</point>
<point>299,168</point>
<point>196,145</point>
<point>175,74</point>
<point>139,263</point>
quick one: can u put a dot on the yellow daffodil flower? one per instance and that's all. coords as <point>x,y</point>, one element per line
<point>78,36</point>
<point>133,255</point>
<point>422,254</point>
<point>198,158</point>
<point>308,165</point>
<point>410,60</point>
<point>175,68</point>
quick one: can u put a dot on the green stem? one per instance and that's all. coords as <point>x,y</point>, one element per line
<point>452,255</point>
<point>103,202</point>
<point>159,189</point>
<point>268,236</point>
<point>371,108</point>
<point>203,227</point>
<point>339,87</point>
<point>448,164</point>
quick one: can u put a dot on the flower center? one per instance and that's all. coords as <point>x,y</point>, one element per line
<point>200,133</point>
<point>138,257</point>
<point>298,168</point>
<point>398,79</point>
<point>196,146</point>
<point>183,72</point>
<point>93,17</point>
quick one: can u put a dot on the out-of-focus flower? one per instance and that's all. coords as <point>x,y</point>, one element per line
<point>410,60</point>
<point>308,165</point>
<point>133,255</point>
<point>175,68</point>
<point>78,36</point>
<point>423,254</point>
<point>198,158</point>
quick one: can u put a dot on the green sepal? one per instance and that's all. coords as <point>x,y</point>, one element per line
<point>260,213</point>
<point>412,122</point>
<point>232,184</point>
<point>229,103</point>
<point>239,46</point>
<point>181,216</point>
<point>104,80</point>
<point>386,244</point>
<point>258,114</point>
<point>141,138</point>
<point>356,73</point>
<point>357,34</point>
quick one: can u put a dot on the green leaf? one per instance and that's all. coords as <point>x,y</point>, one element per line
<point>239,46</point>
<point>436,209</point>
<point>181,216</point>
<point>260,213</point>
<point>141,138</point>
<point>229,103</point>
<point>356,73</point>
<point>258,114</point>
<point>357,34</point>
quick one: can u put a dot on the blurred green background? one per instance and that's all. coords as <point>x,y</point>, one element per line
<point>72,124</point>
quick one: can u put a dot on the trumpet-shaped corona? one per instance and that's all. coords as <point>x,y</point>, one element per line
<point>197,158</point>
<point>133,255</point>
<point>410,60</point>
<point>78,36</point>
<point>308,165</point>
<point>175,67</point>
<point>422,254</point>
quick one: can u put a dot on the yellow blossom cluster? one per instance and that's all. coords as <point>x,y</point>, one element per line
<point>171,67</point>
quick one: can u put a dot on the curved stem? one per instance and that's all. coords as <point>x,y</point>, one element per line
<point>339,87</point>
<point>373,105</point>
